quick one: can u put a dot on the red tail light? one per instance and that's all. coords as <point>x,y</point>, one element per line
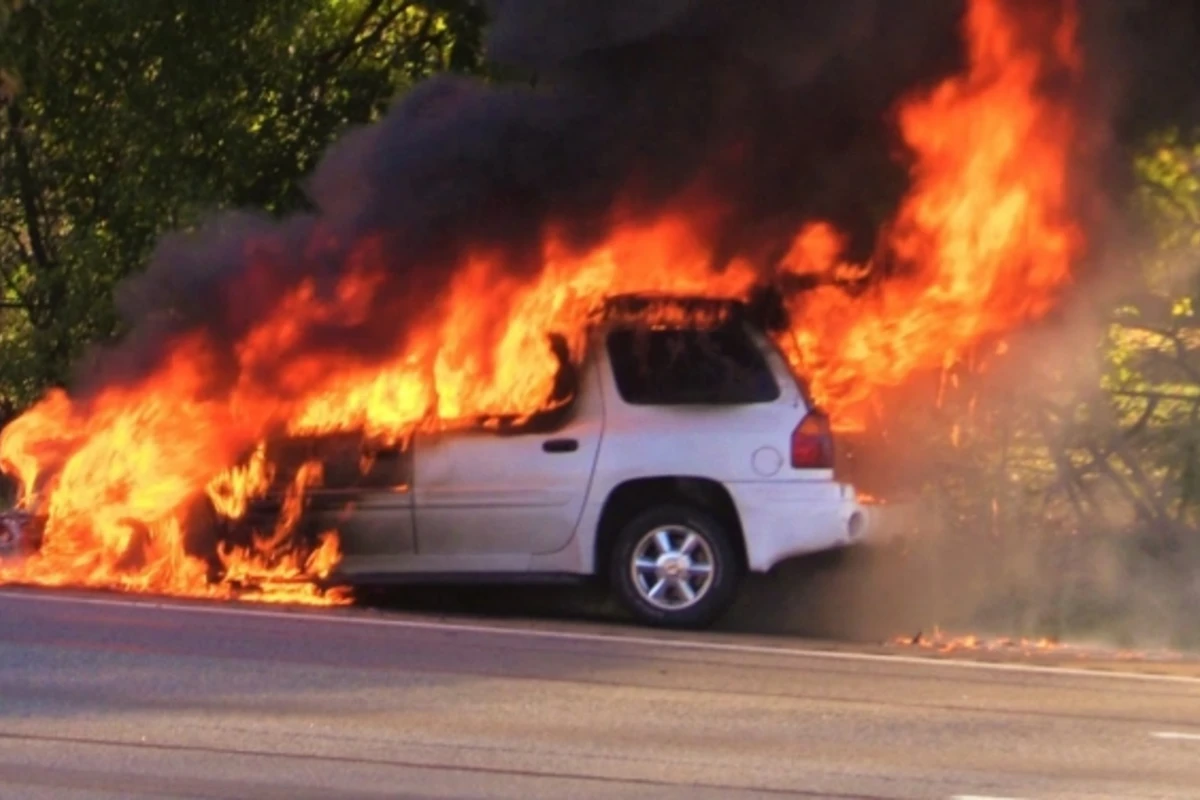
<point>812,442</point>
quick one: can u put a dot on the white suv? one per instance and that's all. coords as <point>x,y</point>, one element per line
<point>676,458</point>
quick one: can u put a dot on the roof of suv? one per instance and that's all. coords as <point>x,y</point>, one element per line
<point>763,310</point>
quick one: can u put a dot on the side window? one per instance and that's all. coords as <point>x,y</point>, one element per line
<point>721,366</point>
<point>558,408</point>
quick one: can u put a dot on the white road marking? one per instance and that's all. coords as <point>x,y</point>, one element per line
<point>602,638</point>
<point>1178,737</point>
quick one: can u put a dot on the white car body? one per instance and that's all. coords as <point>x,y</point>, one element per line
<point>479,503</point>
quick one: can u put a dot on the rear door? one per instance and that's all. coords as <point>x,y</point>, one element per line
<point>722,405</point>
<point>364,493</point>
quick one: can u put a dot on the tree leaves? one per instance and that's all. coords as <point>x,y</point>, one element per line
<point>123,120</point>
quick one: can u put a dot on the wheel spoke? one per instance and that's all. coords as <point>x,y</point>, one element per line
<point>646,564</point>
<point>657,590</point>
<point>685,589</point>
<point>663,540</point>
<point>689,544</point>
<point>698,570</point>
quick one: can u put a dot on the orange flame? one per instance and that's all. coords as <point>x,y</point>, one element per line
<point>938,642</point>
<point>944,644</point>
<point>984,239</point>
<point>982,242</point>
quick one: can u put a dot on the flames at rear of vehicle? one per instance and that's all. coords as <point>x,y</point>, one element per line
<point>982,242</point>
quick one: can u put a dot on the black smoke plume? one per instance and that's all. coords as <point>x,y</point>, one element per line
<point>780,108</point>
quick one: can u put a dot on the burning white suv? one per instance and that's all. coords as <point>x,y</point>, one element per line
<point>673,459</point>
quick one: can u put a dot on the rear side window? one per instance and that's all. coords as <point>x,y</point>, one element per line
<point>721,366</point>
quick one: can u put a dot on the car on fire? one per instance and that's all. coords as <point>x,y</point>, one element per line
<point>672,458</point>
<point>677,454</point>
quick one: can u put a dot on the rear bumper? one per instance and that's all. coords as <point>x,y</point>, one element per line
<point>782,520</point>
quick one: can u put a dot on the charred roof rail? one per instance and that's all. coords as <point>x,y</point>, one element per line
<point>763,307</point>
<point>645,303</point>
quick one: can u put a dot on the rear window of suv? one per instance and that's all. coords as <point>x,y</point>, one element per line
<point>690,366</point>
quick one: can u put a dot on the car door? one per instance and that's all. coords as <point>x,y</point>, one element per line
<point>364,493</point>
<point>514,491</point>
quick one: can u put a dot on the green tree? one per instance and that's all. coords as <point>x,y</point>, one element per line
<point>122,119</point>
<point>1071,489</point>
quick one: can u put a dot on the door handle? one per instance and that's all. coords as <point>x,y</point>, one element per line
<point>560,445</point>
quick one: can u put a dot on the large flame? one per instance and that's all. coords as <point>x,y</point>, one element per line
<point>982,242</point>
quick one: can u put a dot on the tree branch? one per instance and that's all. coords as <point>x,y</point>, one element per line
<point>1142,420</point>
<point>7,274</point>
<point>26,190</point>
<point>1149,394</point>
<point>1077,491</point>
<point>331,58</point>
<point>384,23</point>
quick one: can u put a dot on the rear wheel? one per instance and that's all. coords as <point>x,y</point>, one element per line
<point>674,566</point>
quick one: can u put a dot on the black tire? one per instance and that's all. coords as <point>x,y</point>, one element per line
<point>719,593</point>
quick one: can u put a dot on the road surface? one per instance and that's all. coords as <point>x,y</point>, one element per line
<point>102,697</point>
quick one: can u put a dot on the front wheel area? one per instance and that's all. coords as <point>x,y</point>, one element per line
<point>675,566</point>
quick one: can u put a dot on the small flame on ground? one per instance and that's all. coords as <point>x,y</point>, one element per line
<point>940,642</point>
<point>945,644</point>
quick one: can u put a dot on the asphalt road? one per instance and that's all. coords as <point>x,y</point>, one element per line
<point>108,698</point>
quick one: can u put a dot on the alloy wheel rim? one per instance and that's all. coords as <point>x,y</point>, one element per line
<point>673,567</point>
